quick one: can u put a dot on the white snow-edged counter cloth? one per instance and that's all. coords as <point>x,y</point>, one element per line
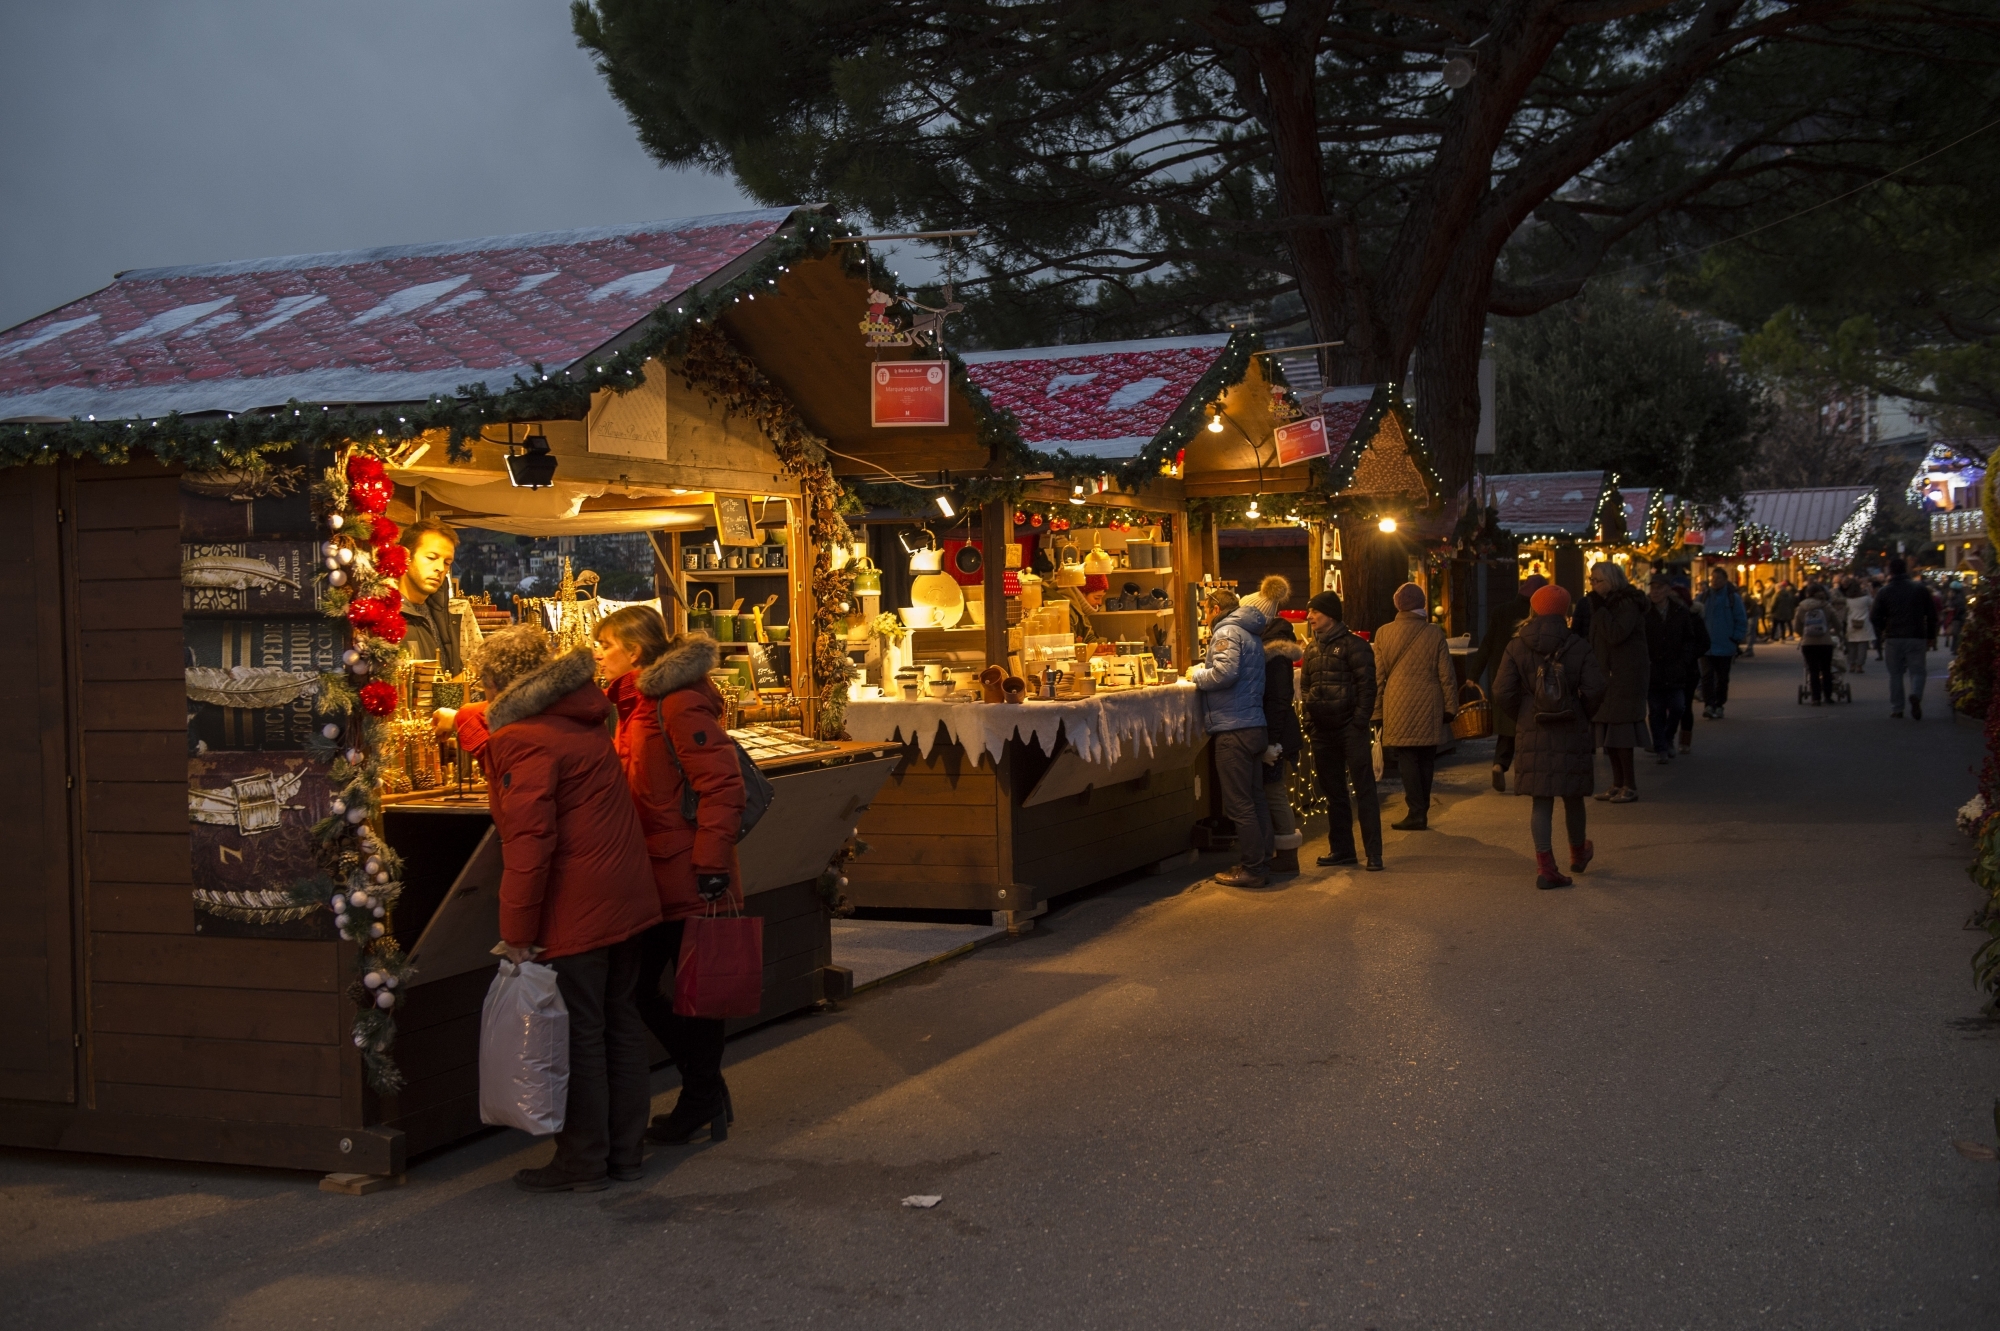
<point>1101,728</point>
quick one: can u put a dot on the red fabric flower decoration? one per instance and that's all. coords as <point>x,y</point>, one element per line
<point>371,495</point>
<point>390,630</point>
<point>383,532</point>
<point>364,467</point>
<point>392,561</point>
<point>379,698</point>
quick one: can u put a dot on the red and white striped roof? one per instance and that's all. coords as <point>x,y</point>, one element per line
<point>367,326</point>
<point>1103,399</point>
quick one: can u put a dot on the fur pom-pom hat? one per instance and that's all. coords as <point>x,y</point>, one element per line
<point>1271,593</point>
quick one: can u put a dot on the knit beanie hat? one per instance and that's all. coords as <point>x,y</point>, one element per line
<point>1271,593</point>
<point>1550,600</point>
<point>1409,596</point>
<point>1327,603</point>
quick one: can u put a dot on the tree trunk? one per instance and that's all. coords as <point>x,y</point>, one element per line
<point>1447,377</point>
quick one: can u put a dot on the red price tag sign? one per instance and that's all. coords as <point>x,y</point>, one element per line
<point>910,392</point>
<point>1301,441</point>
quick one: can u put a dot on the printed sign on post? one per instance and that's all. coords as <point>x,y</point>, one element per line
<point>1301,441</point>
<point>910,392</point>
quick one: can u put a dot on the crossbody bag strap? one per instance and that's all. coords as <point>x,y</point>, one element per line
<point>690,797</point>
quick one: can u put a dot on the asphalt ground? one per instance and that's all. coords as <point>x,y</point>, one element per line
<point>1713,1085</point>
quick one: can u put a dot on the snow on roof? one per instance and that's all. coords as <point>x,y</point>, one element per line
<point>367,326</point>
<point>1103,399</point>
<point>1803,517</point>
<point>1551,503</point>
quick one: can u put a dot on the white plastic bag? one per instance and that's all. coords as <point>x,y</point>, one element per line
<point>524,1050</point>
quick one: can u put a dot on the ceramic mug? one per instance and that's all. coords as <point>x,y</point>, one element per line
<point>910,688</point>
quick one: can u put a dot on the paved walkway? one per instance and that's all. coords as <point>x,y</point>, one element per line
<point>1714,1085</point>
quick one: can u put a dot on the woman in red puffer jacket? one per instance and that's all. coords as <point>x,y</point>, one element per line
<point>695,870</point>
<point>575,890</point>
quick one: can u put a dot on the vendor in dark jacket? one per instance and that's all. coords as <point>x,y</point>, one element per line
<point>426,588</point>
<point>1337,685</point>
<point>1905,616</point>
<point>1675,641</point>
<point>1507,617</point>
<point>1282,653</point>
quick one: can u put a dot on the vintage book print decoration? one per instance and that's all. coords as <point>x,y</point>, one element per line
<point>272,500</point>
<point>252,684</point>
<point>251,818</point>
<point>248,577</point>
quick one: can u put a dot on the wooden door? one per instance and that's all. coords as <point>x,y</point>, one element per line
<point>38,1039</point>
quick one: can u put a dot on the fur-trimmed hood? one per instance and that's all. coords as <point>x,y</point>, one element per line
<point>686,662</point>
<point>1289,648</point>
<point>538,690</point>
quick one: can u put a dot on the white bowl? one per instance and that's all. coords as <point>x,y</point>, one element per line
<point>919,616</point>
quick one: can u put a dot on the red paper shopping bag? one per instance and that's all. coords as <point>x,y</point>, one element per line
<point>721,972</point>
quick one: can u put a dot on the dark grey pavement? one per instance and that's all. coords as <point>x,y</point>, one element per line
<point>1713,1085</point>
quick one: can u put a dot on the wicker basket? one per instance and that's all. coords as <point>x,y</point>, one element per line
<point>1475,718</point>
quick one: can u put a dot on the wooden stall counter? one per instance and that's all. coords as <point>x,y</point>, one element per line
<point>1000,806</point>
<point>449,916</point>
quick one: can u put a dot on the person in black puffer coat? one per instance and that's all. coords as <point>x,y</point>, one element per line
<point>1282,651</point>
<point>1338,687</point>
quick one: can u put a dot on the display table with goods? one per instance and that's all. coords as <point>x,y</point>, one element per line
<point>1001,805</point>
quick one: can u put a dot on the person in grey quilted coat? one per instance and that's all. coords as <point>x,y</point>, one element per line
<point>1231,680</point>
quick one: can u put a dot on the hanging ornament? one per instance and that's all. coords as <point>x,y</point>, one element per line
<point>379,698</point>
<point>392,561</point>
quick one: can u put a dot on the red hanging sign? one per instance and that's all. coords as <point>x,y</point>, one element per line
<point>909,392</point>
<point>1301,441</point>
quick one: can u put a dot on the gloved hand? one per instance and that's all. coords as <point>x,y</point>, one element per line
<point>1275,752</point>
<point>711,885</point>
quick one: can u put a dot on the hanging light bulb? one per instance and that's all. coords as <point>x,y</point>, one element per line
<point>1215,420</point>
<point>1251,512</point>
<point>1387,524</point>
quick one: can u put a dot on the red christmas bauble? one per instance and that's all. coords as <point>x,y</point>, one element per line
<point>364,467</point>
<point>1035,521</point>
<point>1020,519</point>
<point>392,561</point>
<point>382,532</point>
<point>379,698</point>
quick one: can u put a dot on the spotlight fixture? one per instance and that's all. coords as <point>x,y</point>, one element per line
<point>534,467</point>
<point>1251,512</point>
<point>944,506</point>
<point>1387,524</point>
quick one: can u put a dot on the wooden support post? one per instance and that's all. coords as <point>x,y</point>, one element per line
<point>996,528</point>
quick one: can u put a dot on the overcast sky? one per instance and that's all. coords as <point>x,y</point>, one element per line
<point>153,132</point>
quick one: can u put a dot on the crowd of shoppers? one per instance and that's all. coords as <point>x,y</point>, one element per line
<point>1617,671</point>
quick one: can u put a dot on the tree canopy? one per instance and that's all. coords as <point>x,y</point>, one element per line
<point>1147,168</point>
<point>1612,379</point>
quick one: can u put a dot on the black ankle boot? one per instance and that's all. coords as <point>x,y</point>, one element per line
<point>689,1116</point>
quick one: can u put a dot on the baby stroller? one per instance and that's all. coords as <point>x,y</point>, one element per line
<point>1842,690</point>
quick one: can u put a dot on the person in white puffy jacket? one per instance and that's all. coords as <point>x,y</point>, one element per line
<point>1859,631</point>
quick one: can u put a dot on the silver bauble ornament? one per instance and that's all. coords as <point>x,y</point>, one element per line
<point>385,1000</point>
<point>337,578</point>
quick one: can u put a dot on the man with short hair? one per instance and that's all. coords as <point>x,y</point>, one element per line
<point>1728,624</point>
<point>1905,616</point>
<point>1231,679</point>
<point>426,588</point>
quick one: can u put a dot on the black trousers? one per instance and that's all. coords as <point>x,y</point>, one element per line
<point>1416,765</point>
<point>1340,756</point>
<point>1503,751</point>
<point>694,1043</point>
<point>1666,712</point>
<point>1715,679</point>
<point>1819,670</point>
<point>608,1092</point>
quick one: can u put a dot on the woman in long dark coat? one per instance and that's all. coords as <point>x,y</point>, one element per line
<point>1618,641</point>
<point>1554,752</point>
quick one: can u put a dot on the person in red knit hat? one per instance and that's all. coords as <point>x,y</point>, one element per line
<point>1551,684</point>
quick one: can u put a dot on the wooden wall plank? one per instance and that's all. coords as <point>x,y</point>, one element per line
<point>935,851</point>
<point>217,1065</point>
<point>155,654</point>
<point>921,787</point>
<point>137,806</point>
<point>134,705</point>
<point>123,554</point>
<point>218,1013</point>
<point>136,755</point>
<point>109,607</point>
<point>229,963</point>
<point>244,1106</point>
<point>141,908</point>
<point>129,501</point>
<point>900,819</point>
<point>862,875</point>
<point>138,857</point>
